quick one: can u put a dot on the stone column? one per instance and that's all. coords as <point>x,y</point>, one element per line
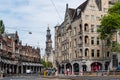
<point>34,69</point>
<point>72,69</point>
<point>1,73</point>
<point>80,69</point>
<point>5,68</point>
<point>25,68</point>
<point>65,69</point>
<point>13,69</point>
<point>9,68</point>
<point>103,65</point>
<point>0,66</point>
<point>31,68</point>
<point>21,69</point>
<point>38,69</point>
<point>17,67</point>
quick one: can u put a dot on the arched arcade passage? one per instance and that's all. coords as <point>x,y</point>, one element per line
<point>76,68</point>
<point>96,66</point>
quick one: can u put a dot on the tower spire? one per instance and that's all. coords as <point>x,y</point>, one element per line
<point>48,42</point>
<point>48,27</point>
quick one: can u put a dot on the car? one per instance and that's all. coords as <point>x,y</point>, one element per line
<point>28,71</point>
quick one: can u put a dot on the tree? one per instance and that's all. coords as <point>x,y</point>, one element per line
<point>110,24</point>
<point>46,64</point>
<point>43,62</point>
<point>116,48</point>
<point>2,27</point>
<point>115,9</point>
<point>49,64</point>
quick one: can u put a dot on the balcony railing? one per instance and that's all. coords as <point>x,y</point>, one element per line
<point>64,52</point>
<point>65,61</point>
<point>80,33</point>
<point>86,44</point>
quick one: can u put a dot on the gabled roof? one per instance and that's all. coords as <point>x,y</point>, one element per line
<point>83,5</point>
<point>99,5</point>
<point>81,9</point>
<point>13,35</point>
<point>71,12</point>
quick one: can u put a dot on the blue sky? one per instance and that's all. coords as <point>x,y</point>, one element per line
<point>35,16</point>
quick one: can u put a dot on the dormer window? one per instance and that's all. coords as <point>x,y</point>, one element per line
<point>78,11</point>
<point>92,7</point>
<point>92,18</point>
<point>86,17</point>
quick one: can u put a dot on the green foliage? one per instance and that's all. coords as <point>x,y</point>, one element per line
<point>115,9</point>
<point>116,48</point>
<point>46,64</point>
<point>49,64</point>
<point>43,62</point>
<point>2,27</point>
<point>110,23</point>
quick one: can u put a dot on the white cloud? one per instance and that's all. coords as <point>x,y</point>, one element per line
<point>34,16</point>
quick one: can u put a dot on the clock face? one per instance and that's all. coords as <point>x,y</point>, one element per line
<point>49,40</point>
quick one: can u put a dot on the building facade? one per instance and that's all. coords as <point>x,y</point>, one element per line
<point>16,58</point>
<point>77,43</point>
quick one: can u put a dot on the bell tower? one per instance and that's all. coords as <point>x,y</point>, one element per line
<point>48,42</point>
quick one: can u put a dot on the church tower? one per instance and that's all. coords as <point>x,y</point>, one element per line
<point>48,42</point>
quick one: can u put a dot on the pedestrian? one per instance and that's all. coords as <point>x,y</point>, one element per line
<point>68,71</point>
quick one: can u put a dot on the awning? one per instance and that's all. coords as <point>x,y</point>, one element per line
<point>31,64</point>
<point>8,61</point>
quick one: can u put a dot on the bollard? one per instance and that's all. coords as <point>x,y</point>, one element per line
<point>45,73</point>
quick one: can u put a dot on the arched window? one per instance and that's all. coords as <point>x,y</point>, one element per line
<point>86,28</point>
<point>80,28</point>
<point>96,66</point>
<point>86,40</point>
<point>86,52</point>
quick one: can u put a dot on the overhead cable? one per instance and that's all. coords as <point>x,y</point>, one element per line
<point>56,9</point>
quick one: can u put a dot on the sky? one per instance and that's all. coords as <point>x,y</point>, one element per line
<point>34,16</point>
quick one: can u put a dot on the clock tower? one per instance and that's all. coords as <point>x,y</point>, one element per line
<point>48,42</point>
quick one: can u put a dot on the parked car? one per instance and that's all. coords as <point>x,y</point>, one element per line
<point>28,71</point>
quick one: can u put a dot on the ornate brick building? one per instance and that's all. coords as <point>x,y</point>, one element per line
<point>77,43</point>
<point>16,58</point>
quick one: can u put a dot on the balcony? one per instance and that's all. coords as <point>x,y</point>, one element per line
<point>80,45</point>
<point>80,33</point>
<point>65,61</point>
<point>85,57</point>
<point>64,52</point>
<point>78,58</point>
<point>86,44</point>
